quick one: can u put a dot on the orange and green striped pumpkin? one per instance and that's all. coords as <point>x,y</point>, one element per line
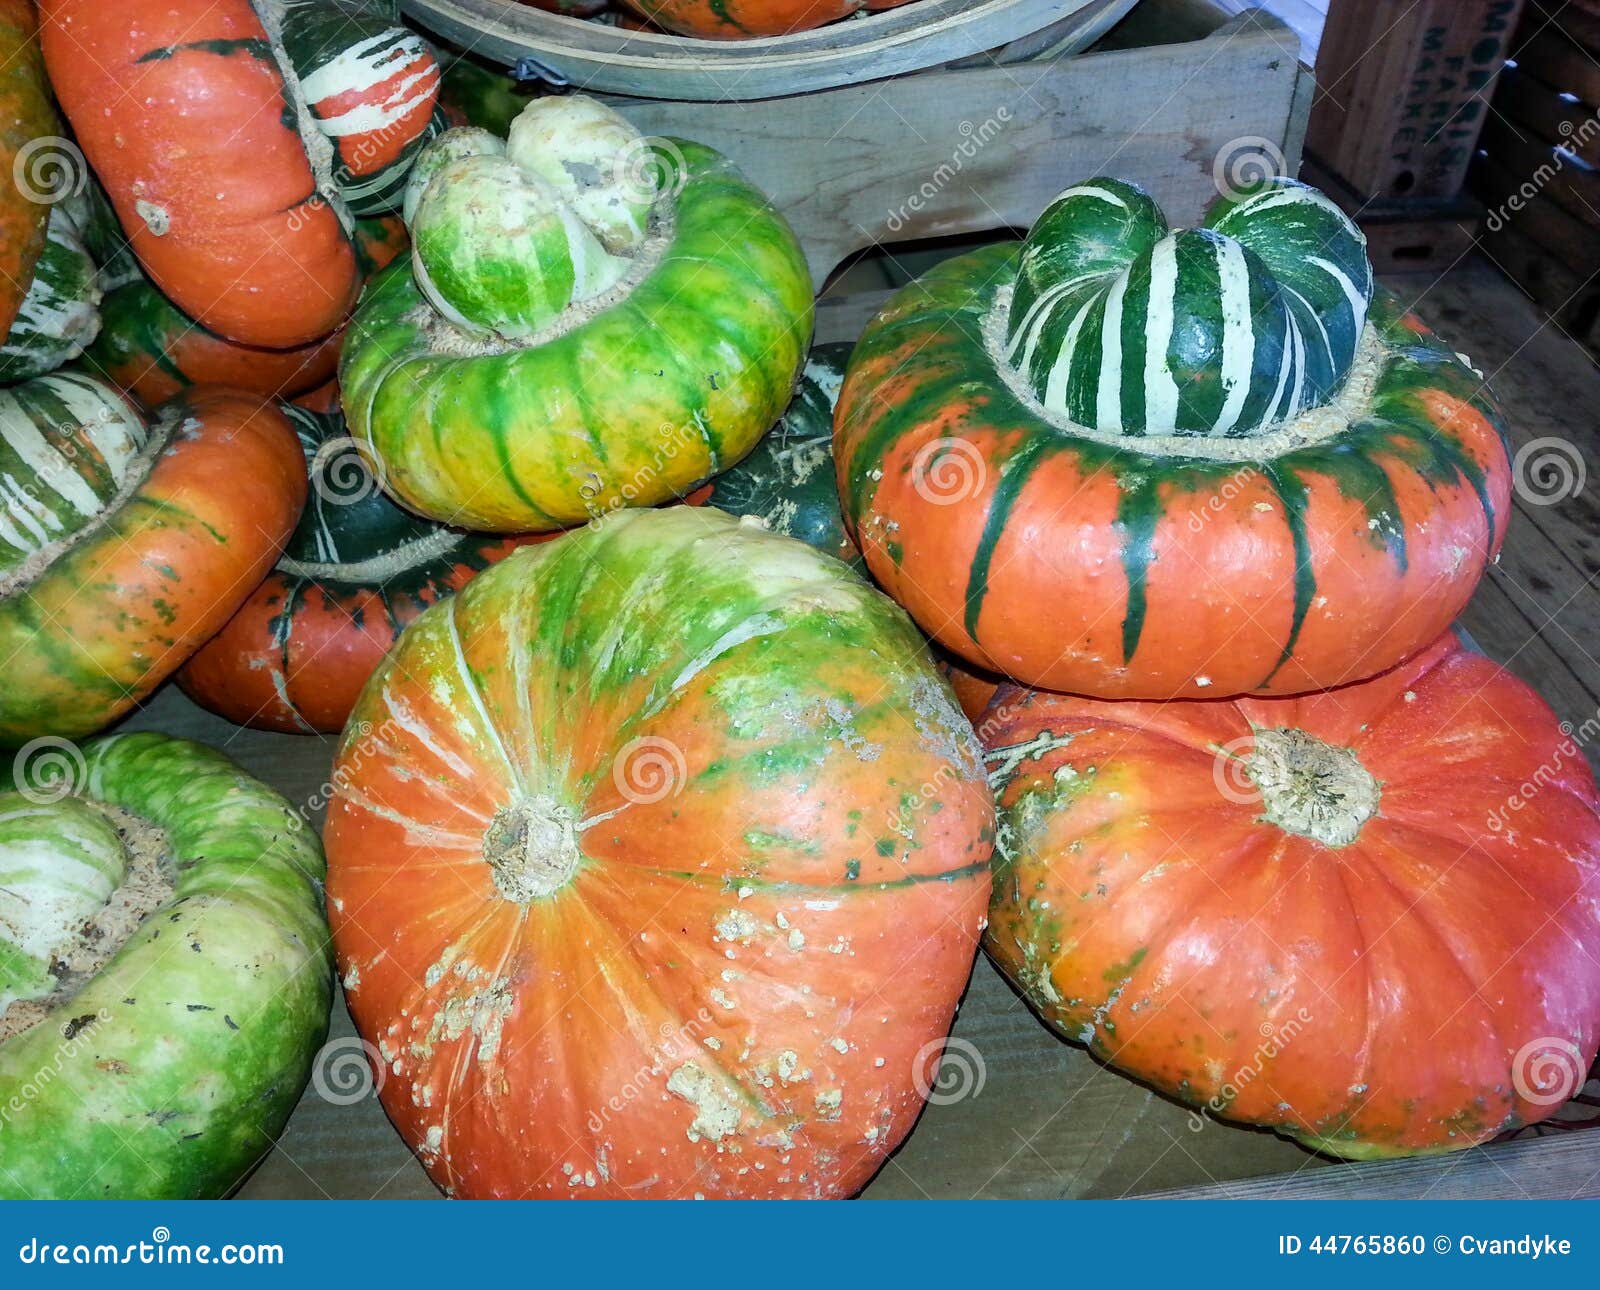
<point>1198,536</point>
<point>657,857</point>
<point>357,570</point>
<point>124,546</point>
<point>1368,919</point>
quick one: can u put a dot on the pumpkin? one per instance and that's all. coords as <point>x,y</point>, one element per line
<point>742,19</point>
<point>1201,537</point>
<point>26,116</point>
<point>163,960</point>
<point>215,154</point>
<point>150,349</point>
<point>124,546</point>
<point>787,481</point>
<point>355,572</point>
<point>1368,919</point>
<point>588,320</point>
<point>657,857</point>
<point>60,314</point>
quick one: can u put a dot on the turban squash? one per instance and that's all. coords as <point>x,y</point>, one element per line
<point>788,481</point>
<point>657,858</point>
<point>246,133</point>
<point>124,543</point>
<point>588,320</point>
<point>354,573</point>
<point>1135,463</point>
<point>25,117</point>
<point>164,970</point>
<point>1368,919</point>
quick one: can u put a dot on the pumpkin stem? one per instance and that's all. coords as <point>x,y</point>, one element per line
<point>532,849</point>
<point>1314,789</point>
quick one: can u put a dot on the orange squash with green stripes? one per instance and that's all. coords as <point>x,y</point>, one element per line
<point>25,116</point>
<point>1368,919</point>
<point>357,570</point>
<point>125,545</point>
<point>656,859</point>
<point>233,173</point>
<point>1284,488</point>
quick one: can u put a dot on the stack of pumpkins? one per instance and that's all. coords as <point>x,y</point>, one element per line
<point>659,849</point>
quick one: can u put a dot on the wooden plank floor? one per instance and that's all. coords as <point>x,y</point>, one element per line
<point>1023,1114</point>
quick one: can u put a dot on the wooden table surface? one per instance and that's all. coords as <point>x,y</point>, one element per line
<point>1028,1115</point>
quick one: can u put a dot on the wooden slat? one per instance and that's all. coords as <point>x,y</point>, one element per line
<point>1557,61</point>
<point>1577,21</point>
<point>1517,158</point>
<point>950,152</point>
<point>1565,1167</point>
<point>1524,100</point>
<point>1542,219</point>
<point>1560,291</point>
<point>1401,89</point>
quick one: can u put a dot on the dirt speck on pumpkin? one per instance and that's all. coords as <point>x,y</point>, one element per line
<point>716,1114</point>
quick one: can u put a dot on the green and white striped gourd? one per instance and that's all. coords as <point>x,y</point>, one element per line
<point>61,312</point>
<point>68,444</point>
<point>1124,326</point>
<point>59,863</point>
<point>509,236</point>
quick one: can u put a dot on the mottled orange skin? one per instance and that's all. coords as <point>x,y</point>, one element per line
<point>25,115</point>
<point>747,916</point>
<point>1399,980</point>
<point>307,679</point>
<point>118,612</point>
<point>197,139</point>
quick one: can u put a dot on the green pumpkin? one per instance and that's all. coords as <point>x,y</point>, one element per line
<point>544,394</point>
<point>788,479</point>
<point>61,312</point>
<point>1225,330</point>
<point>173,1064</point>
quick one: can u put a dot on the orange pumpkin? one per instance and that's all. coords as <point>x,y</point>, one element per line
<point>742,19</point>
<point>1137,558</point>
<point>657,859</point>
<point>183,110</point>
<point>1368,919</point>
<point>25,115</point>
<point>189,514</point>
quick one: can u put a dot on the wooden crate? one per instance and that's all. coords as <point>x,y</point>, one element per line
<point>1178,95</point>
<point>1539,167</point>
<point>1402,89</point>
